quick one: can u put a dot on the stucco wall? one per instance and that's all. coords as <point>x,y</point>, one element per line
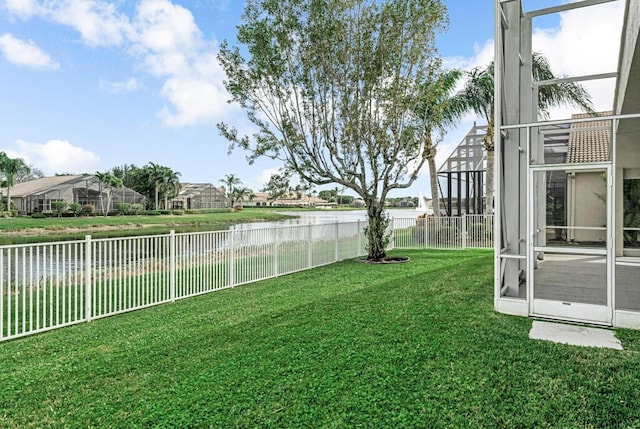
<point>588,208</point>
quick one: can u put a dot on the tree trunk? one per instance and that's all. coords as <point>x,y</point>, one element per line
<point>489,147</point>
<point>433,179</point>
<point>490,186</point>
<point>156,189</point>
<point>8,208</point>
<point>376,231</point>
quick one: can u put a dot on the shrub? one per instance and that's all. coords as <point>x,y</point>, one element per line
<point>59,207</point>
<point>123,208</point>
<point>153,213</point>
<point>136,208</point>
<point>178,212</point>
<point>192,211</point>
<point>88,210</point>
<point>38,215</point>
<point>75,208</point>
<point>165,212</point>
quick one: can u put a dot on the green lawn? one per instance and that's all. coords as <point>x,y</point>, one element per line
<point>345,345</point>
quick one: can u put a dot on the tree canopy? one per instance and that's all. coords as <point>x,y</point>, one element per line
<point>331,87</point>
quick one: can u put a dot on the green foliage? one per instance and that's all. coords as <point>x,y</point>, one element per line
<point>75,208</point>
<point>279,184</point>
<point>332,88</point>
<point>154,181</point>
<point>88,210</point>
<point>177,212</point>
<point>164,212</point>
<point>153,213</point>
<point>136,208</point>
<point>123,209</point>
<point>59,207</point>
<point>38,215</point>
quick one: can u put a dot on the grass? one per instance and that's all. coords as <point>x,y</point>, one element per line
<point>346,345</point>
<point>77,227</point>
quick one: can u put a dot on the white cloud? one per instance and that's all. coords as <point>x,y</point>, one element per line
<point>265,175</point>
<point>128,85</point>
<point>22,8</point>
<point>57,156</point>
<point>26,53</point>
<point>482,56</point>
<point>166,40</point>
<point>172,47</point>
<point>98,22</point>
<point>573,51</point>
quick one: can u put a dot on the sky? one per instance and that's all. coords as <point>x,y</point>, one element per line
<point>87,85</point>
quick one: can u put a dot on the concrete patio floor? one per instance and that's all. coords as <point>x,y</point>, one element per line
<point>574,335</point>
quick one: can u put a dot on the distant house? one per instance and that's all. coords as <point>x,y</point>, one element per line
<point>262,199</point>
<point>37,195</point>
<point>199,196</point>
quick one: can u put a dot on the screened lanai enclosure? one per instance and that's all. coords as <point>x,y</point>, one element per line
<point>37,195</point>
<point>199,196</point>
<point>567,191</point>
<point>462,176</point>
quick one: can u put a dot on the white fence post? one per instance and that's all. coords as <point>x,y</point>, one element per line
<point>276,267</point>
<point>172,265</point>
<point>88,277</point>
<point>309,246</point>
<point>232,262</point>
<point>336,243</point>
<point>463,219</point>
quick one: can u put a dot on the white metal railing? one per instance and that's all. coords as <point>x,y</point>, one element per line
<point>45,286</point>
<point>456,232</point>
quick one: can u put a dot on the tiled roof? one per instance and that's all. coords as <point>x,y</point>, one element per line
<point>591,145</point>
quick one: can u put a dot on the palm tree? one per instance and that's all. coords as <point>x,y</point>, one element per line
<point>231,181</point>
<point>239,194</point>
<point>10,168</point>
<point>437,108</point>
<point>155,176</point>
<point>110,182</point>
<point>477,96</point>
<point>170,184</point>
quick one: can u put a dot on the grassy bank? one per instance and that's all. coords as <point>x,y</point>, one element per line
<point>27,229</point>
<point>346,345</point>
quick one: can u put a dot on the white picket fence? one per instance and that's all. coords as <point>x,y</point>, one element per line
<point>45,286</point>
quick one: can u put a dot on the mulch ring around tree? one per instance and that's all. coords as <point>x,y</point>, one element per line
<point>387,260</point>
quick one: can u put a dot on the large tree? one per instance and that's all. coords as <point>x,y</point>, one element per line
<point>331,86</point>
<point>10,168</point>
<point>477,96</point>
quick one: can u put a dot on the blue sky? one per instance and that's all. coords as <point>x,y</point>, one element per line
<point>90,84</point>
